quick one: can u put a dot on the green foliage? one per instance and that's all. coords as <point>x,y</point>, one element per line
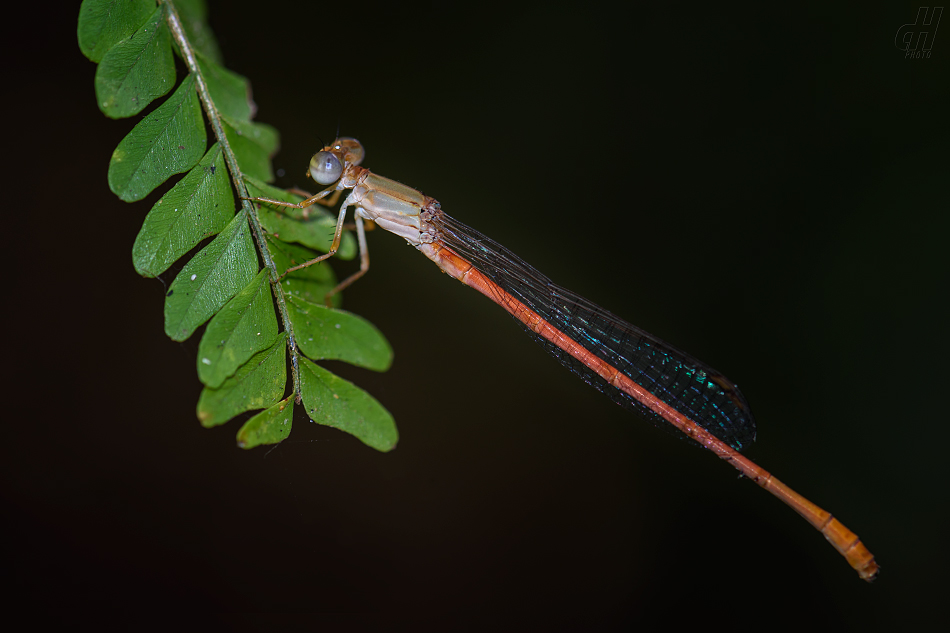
<point>137,69</point>
<point>243,327</point>
<point>105,23</point>
<point>268,427</point>
<point>254,144</point>
<point>255,318</point>
<point>217,273</point>
<point>324,333</point>
<point>231,92</point>
<point>194,17</point>
<point>335,402</point>
<point>257,384</point>
<point>198,206</point>
<point>169,141</point>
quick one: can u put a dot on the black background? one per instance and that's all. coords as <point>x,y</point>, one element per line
<point>766,188</point>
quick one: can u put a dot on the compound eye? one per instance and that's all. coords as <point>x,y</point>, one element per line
<point>325,168</point>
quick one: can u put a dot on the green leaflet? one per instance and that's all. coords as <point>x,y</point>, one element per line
<point>137,70</point>
<point>312,291</point>
<point>170,140</point>
<point>105,23</point>
<point>268,427</point>
<point>244,326</point>
<point>217,273</point>
<point>194,19</point>
<point>289,225</point>
<point>198,206</point>
<point>258,384</point>
<point>332,401</point>
<point>230,92</point>
<point>326,334</point>
<point>311,283</point>
<point>253,144</point>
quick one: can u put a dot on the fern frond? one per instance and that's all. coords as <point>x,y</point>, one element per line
<point>253,322</point>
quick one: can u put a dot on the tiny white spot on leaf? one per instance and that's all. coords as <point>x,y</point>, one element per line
<point>206,361</point>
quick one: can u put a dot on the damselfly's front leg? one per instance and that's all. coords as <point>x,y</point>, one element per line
<point>327,202</point>
<point>337,234</point>
<point>308,201</point>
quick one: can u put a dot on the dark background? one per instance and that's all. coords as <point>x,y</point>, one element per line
<point>766,188</point>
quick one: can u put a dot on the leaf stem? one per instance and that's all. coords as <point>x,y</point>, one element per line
<point>237,179</point>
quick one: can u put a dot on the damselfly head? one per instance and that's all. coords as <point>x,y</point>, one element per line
<point>352,150</point>
<point>328,164</point>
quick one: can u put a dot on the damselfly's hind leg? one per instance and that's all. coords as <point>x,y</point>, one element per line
<point>364,263</point>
